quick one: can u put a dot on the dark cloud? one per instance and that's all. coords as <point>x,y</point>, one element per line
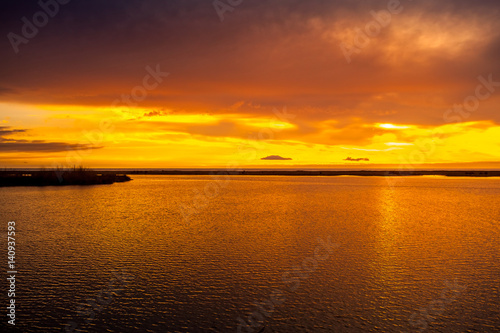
<point>16,145</point>
<point>43,146</point>
<point>156,113</point>
<point>275,158</point>
<point>6,130</point>
<point>357,159</point>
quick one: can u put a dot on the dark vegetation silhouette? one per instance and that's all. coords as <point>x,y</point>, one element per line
<point>60,176</point>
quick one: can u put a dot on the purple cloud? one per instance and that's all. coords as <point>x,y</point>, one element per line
<point>275,158</point>
<point>357,159</point>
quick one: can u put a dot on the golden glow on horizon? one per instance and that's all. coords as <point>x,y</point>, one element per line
<point>183,140</point>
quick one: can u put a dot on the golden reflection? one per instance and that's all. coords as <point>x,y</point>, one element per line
<point>388,232</point>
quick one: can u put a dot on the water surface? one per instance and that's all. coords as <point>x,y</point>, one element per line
<point>412,253</point>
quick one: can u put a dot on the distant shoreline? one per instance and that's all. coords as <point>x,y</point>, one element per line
<point>377,173</point>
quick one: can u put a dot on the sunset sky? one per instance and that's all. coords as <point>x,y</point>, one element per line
<point>151,84</point>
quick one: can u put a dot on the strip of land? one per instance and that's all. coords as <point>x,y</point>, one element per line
<point>378,173</point>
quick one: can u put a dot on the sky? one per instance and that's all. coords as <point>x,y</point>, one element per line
<point>191,83</point>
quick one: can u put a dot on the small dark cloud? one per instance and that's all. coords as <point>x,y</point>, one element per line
<point>156,113</point>
<point>357,159</point>
<point>6,130</point>
<point>275,158</point>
